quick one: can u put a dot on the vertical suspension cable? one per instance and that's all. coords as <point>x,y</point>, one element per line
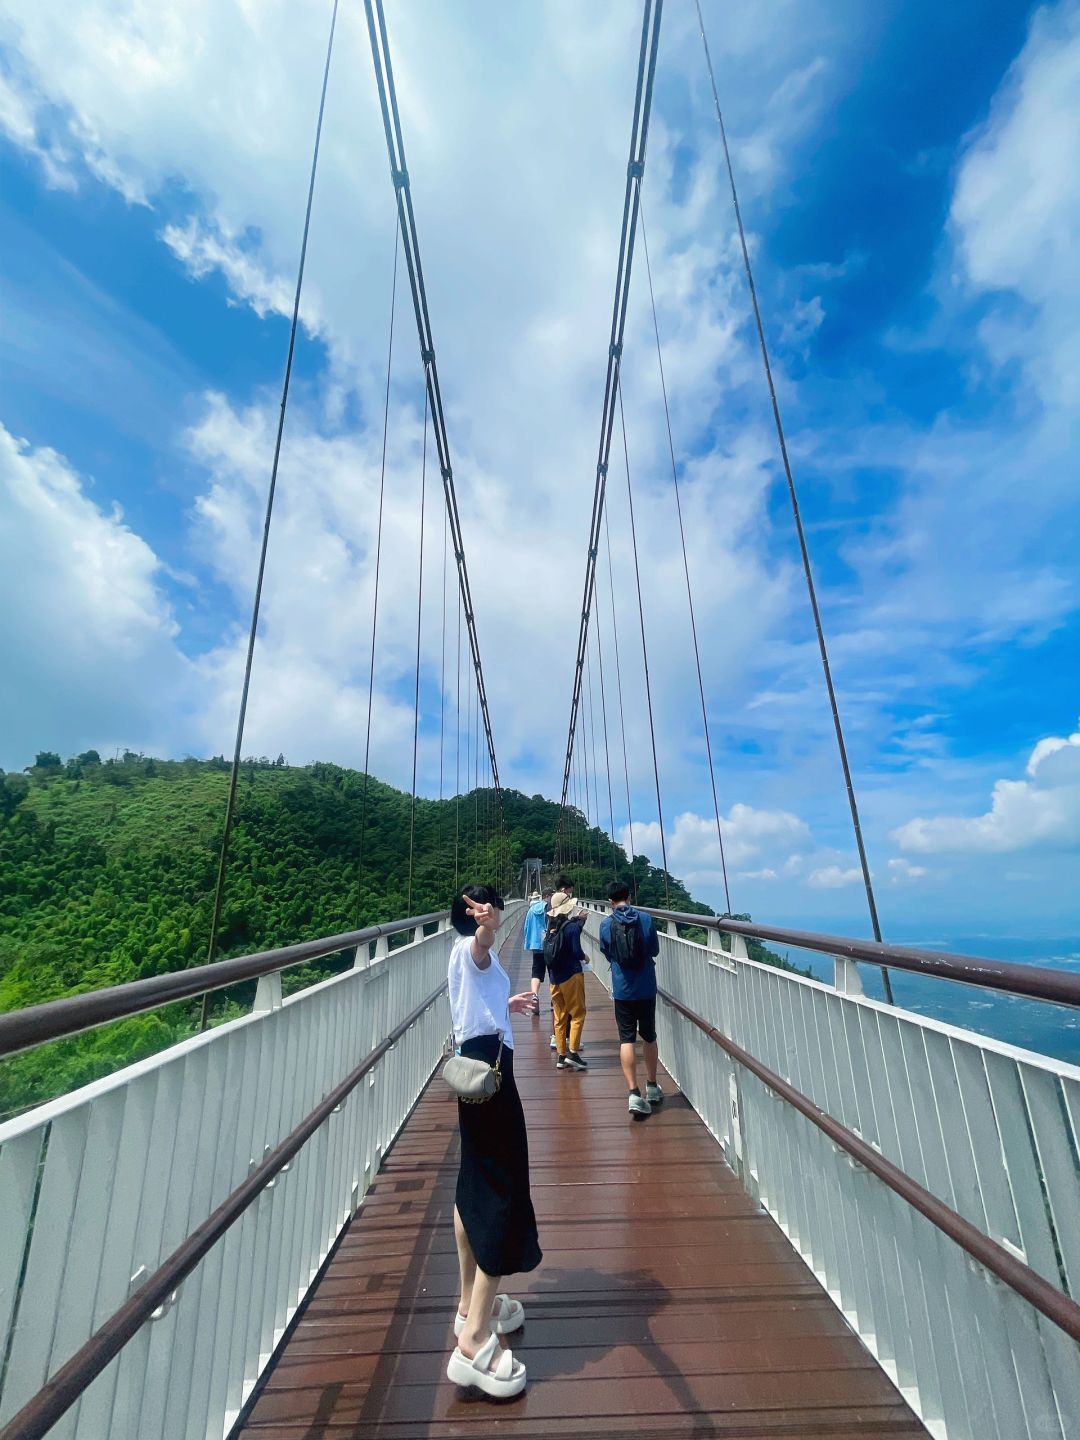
<point>375,603</point>
<point>476,783</point>
<point>585,779</point>
<point>685,561</point>
<point>457,759</point>
<point>607,747</point>
<point>644,647</point>
<point>234,775</point>
<point>442,697</point>
<point>598,827</point>
<point>592,744</point>
<point>804,552</point>
<point>416,697</point>
<point>622,716</point>
<point>575,828</point>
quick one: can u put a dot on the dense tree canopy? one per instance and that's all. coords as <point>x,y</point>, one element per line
<point>107,874</point>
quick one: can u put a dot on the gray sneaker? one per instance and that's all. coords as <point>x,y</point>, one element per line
<point>653,1094</point>
<point>551,1044</point>
<point>638,1106</point>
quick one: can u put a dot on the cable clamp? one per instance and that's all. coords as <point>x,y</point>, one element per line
<point>601,471</point>
<point>635,170</point>
<point>448,475</point>
<point>615,351</point>
<point>428,357</point>
<point>401,179</point>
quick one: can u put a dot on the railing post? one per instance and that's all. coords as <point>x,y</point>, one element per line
<point>714,943</point>
<point>267,993</point>
<point>846,977</point>
<point>738,949</point>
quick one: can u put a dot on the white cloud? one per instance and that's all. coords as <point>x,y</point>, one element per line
<point>22,123</point>
<point>901,871</point>
<point>1043,810</point>
<point>692,843</point>
<point>1016,210</point>
<point>204,252</point>
<point>833,877</point>
<point>89,644</point>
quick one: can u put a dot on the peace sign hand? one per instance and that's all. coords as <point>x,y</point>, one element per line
<point>483,914</point>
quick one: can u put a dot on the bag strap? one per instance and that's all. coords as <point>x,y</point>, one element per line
<point>454,1046</point>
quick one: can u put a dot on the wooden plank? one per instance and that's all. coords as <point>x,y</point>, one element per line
<point>667,1300</point>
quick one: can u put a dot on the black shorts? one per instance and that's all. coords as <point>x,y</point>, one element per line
<point>539,969</point>
<point>636,1017</point>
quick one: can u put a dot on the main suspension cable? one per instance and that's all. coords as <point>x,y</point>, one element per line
<point>230,804</point>
<point>635,170</point>
<point>811,591</point>
<point>644,647</point>
<point>395,146</point>
<point>685,561</point>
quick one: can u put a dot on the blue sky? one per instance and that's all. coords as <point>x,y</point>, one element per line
<point>909,182</point>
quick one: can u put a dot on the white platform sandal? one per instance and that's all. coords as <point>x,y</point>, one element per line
<point>506,1380</point>
<point>506,1316</point>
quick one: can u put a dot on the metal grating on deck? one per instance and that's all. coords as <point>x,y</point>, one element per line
<point>667,1302</point>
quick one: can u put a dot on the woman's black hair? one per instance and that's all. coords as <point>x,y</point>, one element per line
<point>460,918</point>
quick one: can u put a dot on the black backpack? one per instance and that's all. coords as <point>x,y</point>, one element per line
<point>628,944</point>
<point>554,940</point>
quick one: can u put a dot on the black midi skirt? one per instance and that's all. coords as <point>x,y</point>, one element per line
<point>493,1197</point>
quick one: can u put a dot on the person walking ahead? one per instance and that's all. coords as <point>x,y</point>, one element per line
<point>629,940</point>
<point>535,925</point>
<point>564,956</point>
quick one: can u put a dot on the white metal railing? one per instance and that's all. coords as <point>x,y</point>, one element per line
<point>990,1129</point>
<point>99,1186</point>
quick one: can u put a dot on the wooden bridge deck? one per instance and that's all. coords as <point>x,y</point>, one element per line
<point>667,1302</point>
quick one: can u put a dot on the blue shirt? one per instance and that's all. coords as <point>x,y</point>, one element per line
<point>637,984</point>
<point>535,925</point>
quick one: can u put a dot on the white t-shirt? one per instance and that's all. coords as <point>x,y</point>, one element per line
<point>478,997</point>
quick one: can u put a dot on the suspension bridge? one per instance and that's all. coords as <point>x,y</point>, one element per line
<point>847,1219</point>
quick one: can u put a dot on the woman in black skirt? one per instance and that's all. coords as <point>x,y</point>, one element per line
<point>494,1222</point>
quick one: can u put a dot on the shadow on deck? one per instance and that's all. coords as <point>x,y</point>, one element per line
<point>668,1303</point>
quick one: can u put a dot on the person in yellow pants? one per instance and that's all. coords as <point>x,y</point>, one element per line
<point>563,956</point>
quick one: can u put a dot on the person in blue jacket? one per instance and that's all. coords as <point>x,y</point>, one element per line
<point>630,943</point>
<point>533,941</point>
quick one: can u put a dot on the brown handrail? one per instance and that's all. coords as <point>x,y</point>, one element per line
<point>59,1393</point>
<point>37,1024</point>
<point>1035,981</point>
<point>1027,1283</point>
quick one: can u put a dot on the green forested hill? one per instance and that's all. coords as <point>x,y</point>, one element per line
<point>107,873</point>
